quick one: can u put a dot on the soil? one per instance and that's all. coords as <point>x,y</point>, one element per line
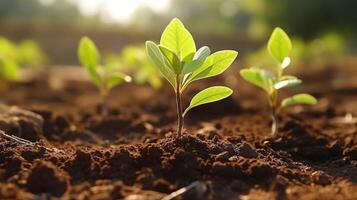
<point>227,151</point>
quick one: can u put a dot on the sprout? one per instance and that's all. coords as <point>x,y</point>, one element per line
<point>279,47</point>
<point>104,77</point>
<point>9,68</point>
<point>179,62</point>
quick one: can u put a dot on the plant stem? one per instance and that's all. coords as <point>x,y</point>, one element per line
<point>274,121</point>
<point>103,101</point>
<point>179,107</point>
<point>273,101</point>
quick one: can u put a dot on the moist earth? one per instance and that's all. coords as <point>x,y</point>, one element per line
<point>227,152</point>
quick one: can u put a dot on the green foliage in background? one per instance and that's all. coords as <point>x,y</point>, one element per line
<point>30,54</point>
<point>181,64</point>
<point>26,54</point>
<point>327,46</point>
<point>104,77</point>
<point>279,48</point>
<point>134,61</point>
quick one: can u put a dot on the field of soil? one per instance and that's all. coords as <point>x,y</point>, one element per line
<point>227,151</point>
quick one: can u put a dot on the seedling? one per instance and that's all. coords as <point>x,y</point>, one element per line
<point>279,47</point>
<point>104,77</point>
<point>9,68</point>
<point>9,71</point>
<point>179,62</point>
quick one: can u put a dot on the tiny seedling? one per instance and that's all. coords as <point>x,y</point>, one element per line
<point>9,68</point>
<point>279,47</point>
<point>104,77</point>
<point>9,71</point>
<point>179,62</point>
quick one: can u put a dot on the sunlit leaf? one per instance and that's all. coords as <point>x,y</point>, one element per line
<point>87,53</point>
<point>258,77</point>
<point>209,95</point>
<point>279,45</point>
<point>299,99</point>
<point>177,38</point>
<point>214,64</point>
<point>191,66</point>
<point>158,59</point>
<point>287,83</point>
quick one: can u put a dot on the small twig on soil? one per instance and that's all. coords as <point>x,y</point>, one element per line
<point>181,191</point>
<point>25,142</point>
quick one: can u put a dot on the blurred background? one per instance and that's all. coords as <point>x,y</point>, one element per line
<point>47,32</point>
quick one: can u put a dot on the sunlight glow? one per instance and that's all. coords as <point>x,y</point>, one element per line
<point>119,11</point>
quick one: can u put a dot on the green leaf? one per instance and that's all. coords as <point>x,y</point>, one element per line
<point>191,66</point>
<point>177,38</point>
<point>172,59</point>
<point>88,54</point>
<point>202,53</point>
<point>188,58</point>
<point>197,60</point>
<point>95,76</point>
<point>258,77</point>
<point>299,99</point>
<point>10,70</point>
<point>287,83</point>
<point>158,59</point>
<point>116,79</point>
<point>89,57</point>
<point>214,65</point>
<point>209,95</point>
<point>279,45</point>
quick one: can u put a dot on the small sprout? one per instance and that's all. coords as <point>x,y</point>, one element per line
<point>31,55</point>
<point>279,47</point>
<point>9,68</point>
<point>104,77</point>
<point>179,62</point>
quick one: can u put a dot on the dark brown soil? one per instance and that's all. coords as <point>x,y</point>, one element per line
<point>227,151</point>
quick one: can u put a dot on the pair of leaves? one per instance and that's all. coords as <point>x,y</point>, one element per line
<point>179,62</point>
<point>89,57</point>
<point>263,80</point>
<point>202,66</point>
<point>176,56</point>
<point>213,65</point>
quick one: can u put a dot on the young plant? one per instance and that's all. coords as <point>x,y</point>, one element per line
<point>104,77</point>
<point>9,71</point>
<point>9,68</point>
<point>279,47</point>
<point>179,62</point>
